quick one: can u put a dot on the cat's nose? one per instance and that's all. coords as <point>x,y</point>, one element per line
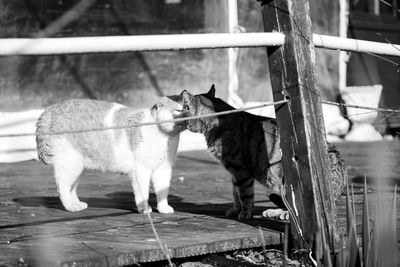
<point>177,112</point>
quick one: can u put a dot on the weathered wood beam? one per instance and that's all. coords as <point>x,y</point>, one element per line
<point>303,141</point>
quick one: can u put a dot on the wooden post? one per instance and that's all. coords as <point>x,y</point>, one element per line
<point>303,141</point>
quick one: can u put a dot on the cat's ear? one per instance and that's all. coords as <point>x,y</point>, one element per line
<point>157,106</point>
<point>186,96</point>
<point>211,92</point>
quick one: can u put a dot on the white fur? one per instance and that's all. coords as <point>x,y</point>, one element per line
<point>68,166</point>
<point>149,157</point>
<point>276,213</point>
<point>121,153</point>
<point>154,158</point>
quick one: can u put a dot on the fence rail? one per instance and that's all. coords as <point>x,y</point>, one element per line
<point>101,44</point>
<point>109,44</point>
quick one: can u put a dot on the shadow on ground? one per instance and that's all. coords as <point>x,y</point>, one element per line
<point>124,201</point>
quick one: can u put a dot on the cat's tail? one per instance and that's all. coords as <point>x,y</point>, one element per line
<point>43,145</point>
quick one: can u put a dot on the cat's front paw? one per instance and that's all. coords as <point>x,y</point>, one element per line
<point>245,215</point>
<point>76,206</point>
<point>145,210</point>
<point>166,209</point>
<point>232,212</point>
<point>276,213</point>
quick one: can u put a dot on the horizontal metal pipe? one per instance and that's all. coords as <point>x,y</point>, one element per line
<point>110,44</point>
<point>355,45</point>
<point>101,44</point>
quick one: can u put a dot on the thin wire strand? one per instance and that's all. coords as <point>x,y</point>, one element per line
<point>390,5</point>
<point>392,111</point>
<point>360,107</point>
<point>394,63</point>
<point>146,123</point>
<point>388,41</point>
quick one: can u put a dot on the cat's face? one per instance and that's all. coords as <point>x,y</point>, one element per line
<point>195,105</point>
<point>168,108</point>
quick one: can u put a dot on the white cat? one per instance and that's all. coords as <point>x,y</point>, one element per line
<point>145,153</point>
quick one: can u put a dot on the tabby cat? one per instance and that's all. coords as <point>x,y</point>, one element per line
<point>145,153</point>
<point>248,146</point>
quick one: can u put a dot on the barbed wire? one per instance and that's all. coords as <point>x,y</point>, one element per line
<point>392,111</point>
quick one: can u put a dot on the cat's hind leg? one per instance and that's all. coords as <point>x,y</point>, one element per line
<point>235,210</point>
<point>141,184</point>
<point>67,169</point>
<point>161,179</point>
<point>244,195</point>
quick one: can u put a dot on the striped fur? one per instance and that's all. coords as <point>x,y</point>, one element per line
<point>249,148</point>
<point>145,153</point>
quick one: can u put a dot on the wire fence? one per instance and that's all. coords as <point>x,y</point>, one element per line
<point>177,120</point>
<point>147,123</point>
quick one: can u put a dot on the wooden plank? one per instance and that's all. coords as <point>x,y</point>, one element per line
<point>109,232</point>
<point>305,161</point>
<point>34,227</point>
